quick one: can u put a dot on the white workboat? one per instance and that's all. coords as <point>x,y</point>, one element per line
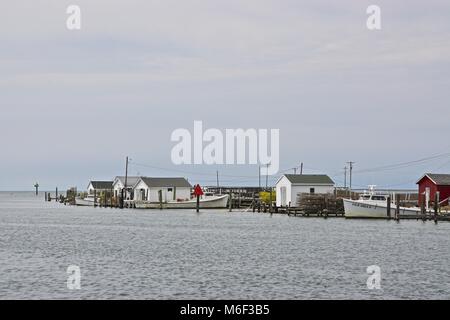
<point>88,201</point>
<point>206,202</point>
<point>372,205</point>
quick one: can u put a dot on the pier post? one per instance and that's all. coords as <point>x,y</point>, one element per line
<point>239,199</point>
<point>254,202</point>
<point>388,207</point>
<point>231,201</point>
<point>397,209</point>
<point>95,198</point>
<point>160,199</point>
<point>422,207</point>
<point>56,194</point>
<point>270,200</point>
<point>198,203</point>
<point>436,206</point>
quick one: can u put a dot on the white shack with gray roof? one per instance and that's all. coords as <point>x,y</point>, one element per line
<point>119,184</point>
<point>99,186</point>
<point>291,185</point>
<point>147,189</point>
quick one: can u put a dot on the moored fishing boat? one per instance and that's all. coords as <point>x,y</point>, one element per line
<point>206,202</point>
<point>373,205</point>
<point>88,201</point>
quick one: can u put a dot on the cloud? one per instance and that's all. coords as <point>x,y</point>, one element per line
<point>139,69</point>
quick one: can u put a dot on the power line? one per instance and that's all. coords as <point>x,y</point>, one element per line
<point>403,164</point>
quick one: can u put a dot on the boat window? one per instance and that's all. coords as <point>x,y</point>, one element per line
<point>169,190</point>
<point>378,198</point>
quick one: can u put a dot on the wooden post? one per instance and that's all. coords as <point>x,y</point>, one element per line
<point>422,207</point>
<point>270,200</point>
<point>45,195</point>
<point>239,199</point>
<point>388,207</point>
<point>160,199</point>
<point>397,209</point>
<point>231,201</point>
<point>56,194</point>
<point>95,198</point>
<point>254,202</point>
<point>198,203</point>
<point>436,206</point>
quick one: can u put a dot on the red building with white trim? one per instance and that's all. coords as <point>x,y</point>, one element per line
<point>435,182</point>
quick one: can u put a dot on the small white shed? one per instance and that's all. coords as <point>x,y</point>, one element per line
<point>119,184</point>
<point>99,186</point>
<point>290,185</point>
<point>172,189</point>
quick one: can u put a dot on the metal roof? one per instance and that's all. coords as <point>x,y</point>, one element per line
<point>131,181</point>
<point>102,185</point>
<point>309,179</point>
<point>438,178</point>
<point>166,182</point>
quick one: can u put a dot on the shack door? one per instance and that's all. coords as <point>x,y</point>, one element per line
<point>283,196</point>
<point>169,196</point>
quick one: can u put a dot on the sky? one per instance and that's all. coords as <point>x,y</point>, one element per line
<point>74,104</point>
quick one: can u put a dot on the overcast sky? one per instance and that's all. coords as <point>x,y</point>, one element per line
<point>75,103</point>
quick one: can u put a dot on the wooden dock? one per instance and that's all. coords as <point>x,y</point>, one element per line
<point>256,200</point>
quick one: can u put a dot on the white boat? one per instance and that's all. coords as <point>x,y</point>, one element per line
<point>88,201</point>
<point>372,205</point>
<point>206,202</point>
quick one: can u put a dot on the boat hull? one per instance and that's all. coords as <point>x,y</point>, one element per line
<point>208,203</point>
<point>359,209</point>
<point>83,202</point>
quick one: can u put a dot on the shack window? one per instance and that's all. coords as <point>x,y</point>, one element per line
<point>169,190</point>
<point>311,190</point>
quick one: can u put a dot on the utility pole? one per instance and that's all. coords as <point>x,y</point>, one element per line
<point>301,168</point>
<point>217,176</point>
<point>126,181</point>
<point>36,185</point>
<point>259,177</point>
<point>295,170</point>
<point>345,177</point>
<point>351,163</point>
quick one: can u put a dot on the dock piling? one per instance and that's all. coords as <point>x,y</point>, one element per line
<point>388,207</point>
<point>436,206</point>
<point>397,209</point>
<point>198,203</point>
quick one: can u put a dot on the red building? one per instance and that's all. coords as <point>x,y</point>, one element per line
<point>434,183</point>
